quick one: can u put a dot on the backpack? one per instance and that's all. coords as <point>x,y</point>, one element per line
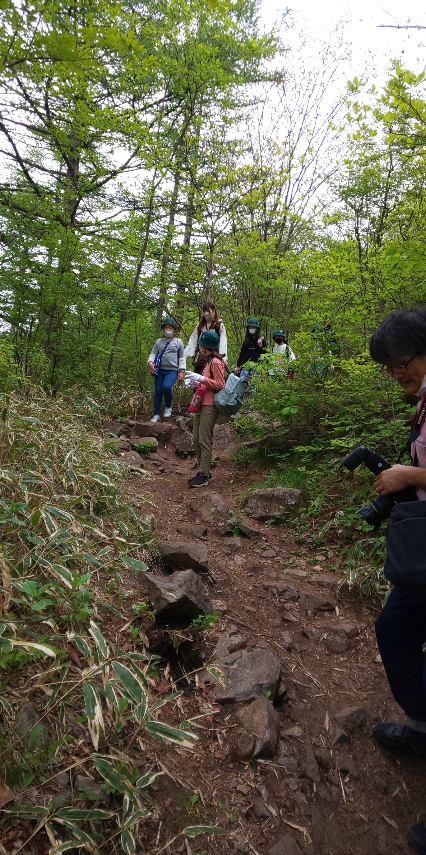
<point>229,400</point>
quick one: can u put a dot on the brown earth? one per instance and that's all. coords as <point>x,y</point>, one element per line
<point>363,811</point>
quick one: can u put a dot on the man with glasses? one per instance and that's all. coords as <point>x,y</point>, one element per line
<point>399,344</point>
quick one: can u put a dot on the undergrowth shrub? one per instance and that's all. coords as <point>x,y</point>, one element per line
<point>305,426</point>
<point>68,533</point>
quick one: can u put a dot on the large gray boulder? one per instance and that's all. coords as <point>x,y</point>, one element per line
<point>184,444</point>
<point>185,556</point>
<point>144,444</point>
<point>131,459</point>
<point>261,730</point>
<point>248,673</point>
<point>158,429</point>
<point>272,502</point>
<point>177,599</point>
<point>211,507</point>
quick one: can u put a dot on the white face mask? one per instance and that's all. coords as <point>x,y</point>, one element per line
<point>252,330</point>
<point>207,315</point>
<point>168,333</point>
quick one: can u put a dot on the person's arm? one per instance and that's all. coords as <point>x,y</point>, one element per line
<point>264,346</point>
<point>216,382</point>
<point>152,356</point>
<point>191,347</point>
<point>181,360</point>
<point>398,477</point>
<point>223,342</point>
<point>240,360</point>
<point>154,353</point>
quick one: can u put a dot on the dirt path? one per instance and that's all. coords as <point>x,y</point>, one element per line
<point>364,807</point>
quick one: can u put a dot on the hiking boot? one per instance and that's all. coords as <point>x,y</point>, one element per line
<point>167,412</point>
<point>200,480</point>
<point>155,419</point>
<point>417,838</point>
<point>400,738</point>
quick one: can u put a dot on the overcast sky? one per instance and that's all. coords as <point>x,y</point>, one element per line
<point>368,46</point>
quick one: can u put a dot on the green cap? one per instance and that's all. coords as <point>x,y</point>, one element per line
<point>278,333</point>
<point>209,339</point>
<point>169,322</point>
<point>253,322</point>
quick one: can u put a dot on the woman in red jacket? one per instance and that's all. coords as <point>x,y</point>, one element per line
<point>205,420</point>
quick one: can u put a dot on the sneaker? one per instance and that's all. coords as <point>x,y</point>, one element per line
<point>417,838</point>
<point>399,738</point>
<point>200,480</point>
<point>167,412</point>
<point>155,419</point>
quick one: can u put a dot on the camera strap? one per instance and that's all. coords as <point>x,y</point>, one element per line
<point>417,423</point>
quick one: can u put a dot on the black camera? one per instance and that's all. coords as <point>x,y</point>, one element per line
<point>380,508</point>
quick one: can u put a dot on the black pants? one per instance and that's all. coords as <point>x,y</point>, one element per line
<point>401,634</point>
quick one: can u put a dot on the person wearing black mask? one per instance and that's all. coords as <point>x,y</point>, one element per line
<point>253,346</point>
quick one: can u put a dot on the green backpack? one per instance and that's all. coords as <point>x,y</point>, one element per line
<point>229,400</point>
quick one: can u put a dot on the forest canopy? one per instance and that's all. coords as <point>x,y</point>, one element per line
<point>157,154</point>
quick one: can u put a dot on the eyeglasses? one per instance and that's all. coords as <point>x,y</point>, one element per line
<point>398,369</point>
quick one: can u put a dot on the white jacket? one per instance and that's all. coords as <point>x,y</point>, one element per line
<point>191,347</point>
<point>284,349</point>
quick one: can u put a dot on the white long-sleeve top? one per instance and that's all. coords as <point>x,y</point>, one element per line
<point>284,349</point>
<point>191,347</point>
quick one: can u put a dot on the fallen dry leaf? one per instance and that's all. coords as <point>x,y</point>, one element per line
<point>6,795</point>
<point>73,655</point>
<point>390,822</point>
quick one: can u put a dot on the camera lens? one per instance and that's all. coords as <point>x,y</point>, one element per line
<point>378,510</point>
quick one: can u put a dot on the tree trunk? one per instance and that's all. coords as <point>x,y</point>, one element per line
<point>165,258</point>
<point>133,290</point>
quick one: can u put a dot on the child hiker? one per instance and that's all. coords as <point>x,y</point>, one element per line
<point>167,363</point>
<point>205,419</point>
<point>252,348</point>
<point>284,356</point>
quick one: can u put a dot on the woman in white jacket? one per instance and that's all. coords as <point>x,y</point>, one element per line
<point>209,321</point>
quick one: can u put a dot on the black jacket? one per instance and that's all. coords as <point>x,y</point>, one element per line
<point>250,351</point>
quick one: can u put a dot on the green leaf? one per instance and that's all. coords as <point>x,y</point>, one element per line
<point>82,645</point>
<point>80,813</point>
<point>146,780</point>
<point>94,713</point>
<point>6,705</point>
<point>128,842</point>
<point>99,640</point>
<point>35,517</point>
<point>114,778</point>
<point>194,830</point>
<point>134,563</point>
<point>165,733</point>
<point>100,478</point>
<point>131,683</point>
<point>58,512</point>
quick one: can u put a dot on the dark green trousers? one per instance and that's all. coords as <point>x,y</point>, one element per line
<point>204,422</point>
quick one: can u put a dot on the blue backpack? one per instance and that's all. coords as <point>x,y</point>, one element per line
<point>229,400</point>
